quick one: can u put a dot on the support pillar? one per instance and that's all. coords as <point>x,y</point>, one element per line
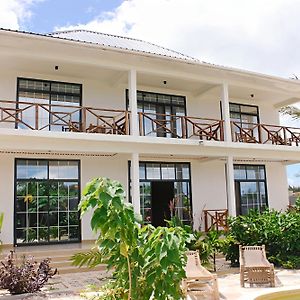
<point>230,188</point>
<point>134,130</point>
<point>135,183</point>
<point>226,112</point>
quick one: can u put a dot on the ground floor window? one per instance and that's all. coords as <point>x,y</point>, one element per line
<point>250,188</point>
<point>46,200</point>
<point>165,191</point>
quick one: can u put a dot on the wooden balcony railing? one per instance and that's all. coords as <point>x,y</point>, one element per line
<point>39,116</point>
<point>56,117</point>
<point>215,219</point>
<point>163,125</point>
<point>265,134</point>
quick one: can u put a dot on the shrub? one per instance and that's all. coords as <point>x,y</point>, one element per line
<point>279,231</point>
<point>147,261</point>
<point>207,244</point>
<point>28,277</point>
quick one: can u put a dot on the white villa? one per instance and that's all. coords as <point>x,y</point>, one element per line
<point>76,105</point>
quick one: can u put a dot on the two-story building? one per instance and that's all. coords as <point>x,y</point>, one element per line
<point>181,135</point>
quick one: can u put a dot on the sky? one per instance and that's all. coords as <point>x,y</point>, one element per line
<point>256,35</point>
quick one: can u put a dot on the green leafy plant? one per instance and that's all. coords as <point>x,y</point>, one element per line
<point>27,277</point>
<point>279,231</point>
<point>147,261</point>
<point>208,244</point>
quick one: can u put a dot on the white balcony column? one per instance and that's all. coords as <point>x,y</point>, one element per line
<point>135,183</point>
<point>226,112</point>
<point>230,187</point>
<point>132,94</point>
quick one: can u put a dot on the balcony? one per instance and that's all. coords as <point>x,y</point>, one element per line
<point>71,118</point>
<point>265,134</point>
<point>182,127</point>
<point>39,116</point>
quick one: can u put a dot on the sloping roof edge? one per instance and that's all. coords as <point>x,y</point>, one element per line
<point>189,61</point>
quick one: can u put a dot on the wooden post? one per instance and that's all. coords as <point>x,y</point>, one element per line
<point>37,117</point>
<point>82,126</point>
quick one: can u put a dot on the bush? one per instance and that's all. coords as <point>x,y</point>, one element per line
<point>147,261</point>
<point>278,231</point>
<point>28,277</point>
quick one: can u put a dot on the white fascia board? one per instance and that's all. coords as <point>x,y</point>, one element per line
<point>14,140</point>
<point>226,71</point>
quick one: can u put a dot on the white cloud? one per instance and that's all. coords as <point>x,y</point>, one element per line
<point>250,34</point>
<point>13,13</point>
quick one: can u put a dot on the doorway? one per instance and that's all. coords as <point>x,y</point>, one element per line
<point>160,183</point>
<point>162,194</point>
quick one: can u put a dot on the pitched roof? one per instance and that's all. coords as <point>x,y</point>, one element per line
<point>120,42</point>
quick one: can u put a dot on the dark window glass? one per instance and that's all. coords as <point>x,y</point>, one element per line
<point>59,101</point>
<point>47,197</point>
<point>161,114</point>
<point>251,187</point>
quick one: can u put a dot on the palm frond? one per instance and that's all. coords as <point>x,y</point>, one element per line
<point>91,258</point>
<point>292,111</point>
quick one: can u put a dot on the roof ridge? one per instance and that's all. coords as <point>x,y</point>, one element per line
<point>122,37</point>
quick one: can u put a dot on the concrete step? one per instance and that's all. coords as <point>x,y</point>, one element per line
<point>60,256</point>
<point>73,269</point>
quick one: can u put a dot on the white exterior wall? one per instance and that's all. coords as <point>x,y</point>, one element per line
<point>112,167</point>
<point>207,179</point>
<point>103,94</point>
<point>277,186</point>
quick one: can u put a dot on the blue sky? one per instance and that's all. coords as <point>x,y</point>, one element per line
<point>49,14</point>
<point>250,34</point>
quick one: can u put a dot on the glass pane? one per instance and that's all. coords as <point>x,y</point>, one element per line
<point>31,112</point>
<point>63,233</point>
<point>63,203</point>
<point>29,84</point>
<point>73,232</point>
<point>31,236</point>
<point>73,218</point>
<point>182,201</point>
<point>65,88</point>
<point>249,119</point>
<point>168,171</point>
<point>53,233</point>
<point>35,169</point>
<point>21,235</point>
<point>53,203</point>
<point>142,171</point>
<point>43,234</point>
<point>63,169</point>
<point>178,100</point>
<point>182,171</point>
<point>249,109</point>
<point>153,171</point>
<point>53,219</point>
<point>255,172</point>
<point>239,172</point>
<point>166,99</point>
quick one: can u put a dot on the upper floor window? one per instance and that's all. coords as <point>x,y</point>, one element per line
<point>244,122</point>
<point>244,114</point>
<point>47,105</point>
<point>161,114</point>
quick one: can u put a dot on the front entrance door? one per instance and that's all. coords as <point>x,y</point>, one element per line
<point>162,193</point>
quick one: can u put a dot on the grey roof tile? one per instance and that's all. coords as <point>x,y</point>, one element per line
<point>120,42</point>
